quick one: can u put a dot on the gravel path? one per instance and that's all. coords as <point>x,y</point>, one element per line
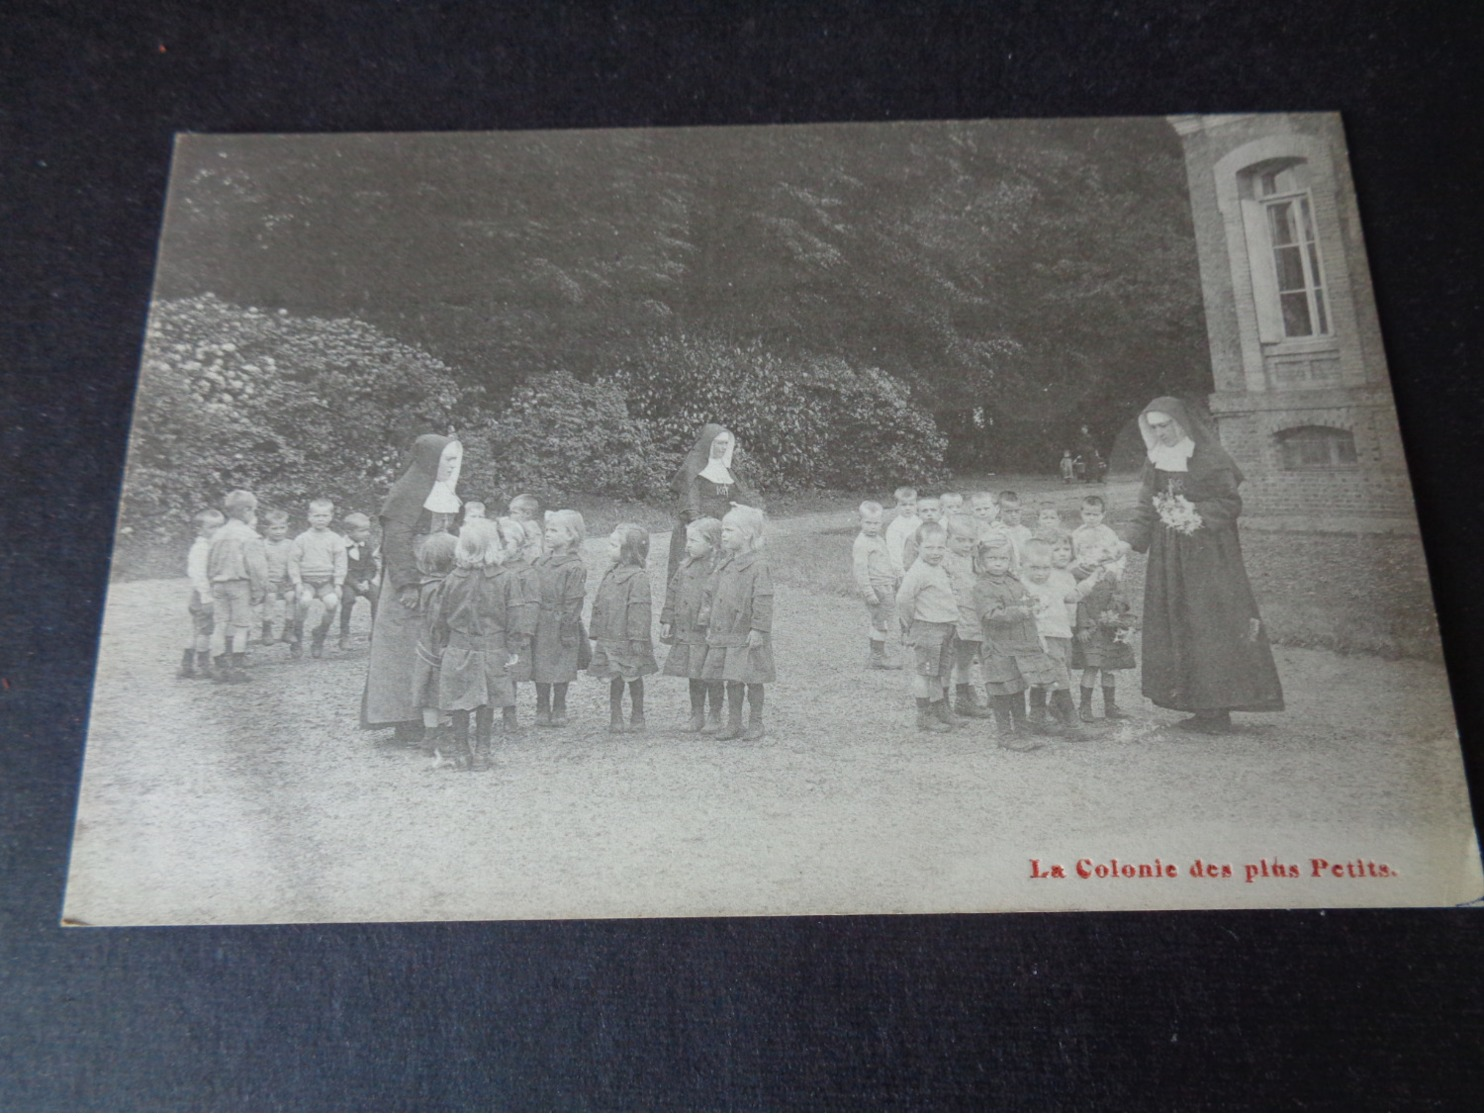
<point>264,803</point>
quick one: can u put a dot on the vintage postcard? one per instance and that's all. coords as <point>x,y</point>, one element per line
<point>967,516</point>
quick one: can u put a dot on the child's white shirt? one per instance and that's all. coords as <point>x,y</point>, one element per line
<point>1052,618</point>
<point>896,538</point>
<point>196,567</point>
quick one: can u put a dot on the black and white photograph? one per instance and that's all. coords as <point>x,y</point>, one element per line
<point>929,517</point>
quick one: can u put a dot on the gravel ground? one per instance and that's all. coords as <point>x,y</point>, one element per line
<point>264,803</point>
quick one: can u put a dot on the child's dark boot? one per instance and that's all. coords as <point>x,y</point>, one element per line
<point>697,706</point>
<point>1111,709</point>
<point>1036,720</point>
<point>203,665</point>
<point>615,706</point>
<point>187,665</point>
<point>733,728</point>
<point>754,730</point>
<point>1084,711</point>
<point>715,697</point>
<point>558,705</point>
<point>944,709</point>
<point>509,722</point>
<point>543,705</point>
<point>636,702</point>
<point>1065,714</point>
<point>966,704</point>
<point>484,726</point>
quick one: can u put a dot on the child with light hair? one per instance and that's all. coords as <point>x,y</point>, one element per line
<point>521,585</point>
<point>951,503</point>
<point>1007,613</point>
<point>474,510</point>
<point>876,579</point>
<point>559,648</point>
<point>623,647</point>
<point>1050,683</point>
<point>903,523</point>
<point>360,572</point>
<point>280,607</point>
<point>238,573</point>
<point>929,511</point>
<point>682,627</point>
<point>739,630</point>
<point>928,610</point>
<point>195,661</point>
<point>968,633</point>
<point>317,568</point>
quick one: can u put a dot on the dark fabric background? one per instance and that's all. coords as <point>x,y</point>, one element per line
<point>1259,1009</point>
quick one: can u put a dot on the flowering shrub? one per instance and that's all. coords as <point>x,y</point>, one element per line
<point>558,436</point>
<point>802,422</point>
<point>292,408</point>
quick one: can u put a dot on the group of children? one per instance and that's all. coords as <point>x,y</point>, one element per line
<point>500,604</point>
<point>981,597</point>
<point>242,582</point>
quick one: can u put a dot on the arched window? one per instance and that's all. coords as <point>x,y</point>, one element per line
<point>1317,448</point>
<point>1283,251</point>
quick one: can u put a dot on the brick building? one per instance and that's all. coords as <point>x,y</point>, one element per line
<point>1301,398</point>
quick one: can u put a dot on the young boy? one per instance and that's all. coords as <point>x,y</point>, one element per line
<point>876,579</point>
<point>280,608</point>
<point>904,522</point>
<point>1010,520</point>
<point>1093,538</point>
<point>527,510</point>
<point>473,510</point>
<point>317,568</point>
<point>986,509</point>
<point>929,611</point>
<point>238,573</point>
<point>1054,624</point>
<point>1048,524</point>
<point>1008,616</point>
<point>968,634</point>
<point>951,504</point>
<point>929,511</point>
<point>195,661</point>
<point>360,570</point>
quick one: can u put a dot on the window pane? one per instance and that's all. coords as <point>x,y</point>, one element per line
<point>1307,220</point>
<point>1296,315</point>
<point>1280,223</point>
<point>1290,269</point>
<point>1345,449</point>
<point>1319,306</point>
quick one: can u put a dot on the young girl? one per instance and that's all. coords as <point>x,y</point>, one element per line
<point>554,651</point>
<point>1049,586</point>
<point>739,629</point>
<point>1008,616</point>
<point>523,605</point>
<point>624,651</point>
<point>470,631</point>
<point>680,621</point>
<point>435,561</point>
<point>1104,621</point>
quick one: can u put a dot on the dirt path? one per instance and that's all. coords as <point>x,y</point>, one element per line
<point>264,803</point>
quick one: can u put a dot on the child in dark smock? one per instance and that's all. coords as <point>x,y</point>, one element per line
<point>623,649</point>
<point>557,647</point>
<point>523,594</point>
<point>470,630</point>
<point>1104,622</point>
<point>682,625</point>
<point>739,630</point>
<point>435,560</point>
<point>1008,619</point>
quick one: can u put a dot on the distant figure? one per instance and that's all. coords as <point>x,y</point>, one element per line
<point>1095,466</point>
<point>1068,468</point>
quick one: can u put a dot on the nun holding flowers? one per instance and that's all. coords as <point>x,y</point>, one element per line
<point>1205,649</point>
<point>706,484</point>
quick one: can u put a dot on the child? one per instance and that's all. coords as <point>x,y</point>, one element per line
<point>473,510</point>
<point>1104,621</point>
<point>951,504</point>
<point>435,561</point>
<point>1048,524</point>
<point>559,641</point>
<point>522,595</point>
<point>986,509</point>
<point>739,632</point>
<point>317,568</point>
<point>1008,617</point>
<point>1093,536</point>
<point>280,606</point>
<point>1053,623</point>
<point>527,510</point>
<point>929,511</point>
<point>195,661</point>
<point>929,611</point>
<point>1018,532</point>
<point>876,577</point>
<point>968,634</point>
<point>469,632</point>
<point>238,573</point>
<point>623,651</point>
<point>904,523</point>
<point>680,621</point>
<point>1068,468</point>
<point>360,572</point>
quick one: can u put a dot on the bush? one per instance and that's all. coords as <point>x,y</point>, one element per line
<point>801,422</point>
<point>292,408</point>
<point>560,436</point>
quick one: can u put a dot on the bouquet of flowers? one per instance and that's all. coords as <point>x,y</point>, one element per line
<point>1177,513</point>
